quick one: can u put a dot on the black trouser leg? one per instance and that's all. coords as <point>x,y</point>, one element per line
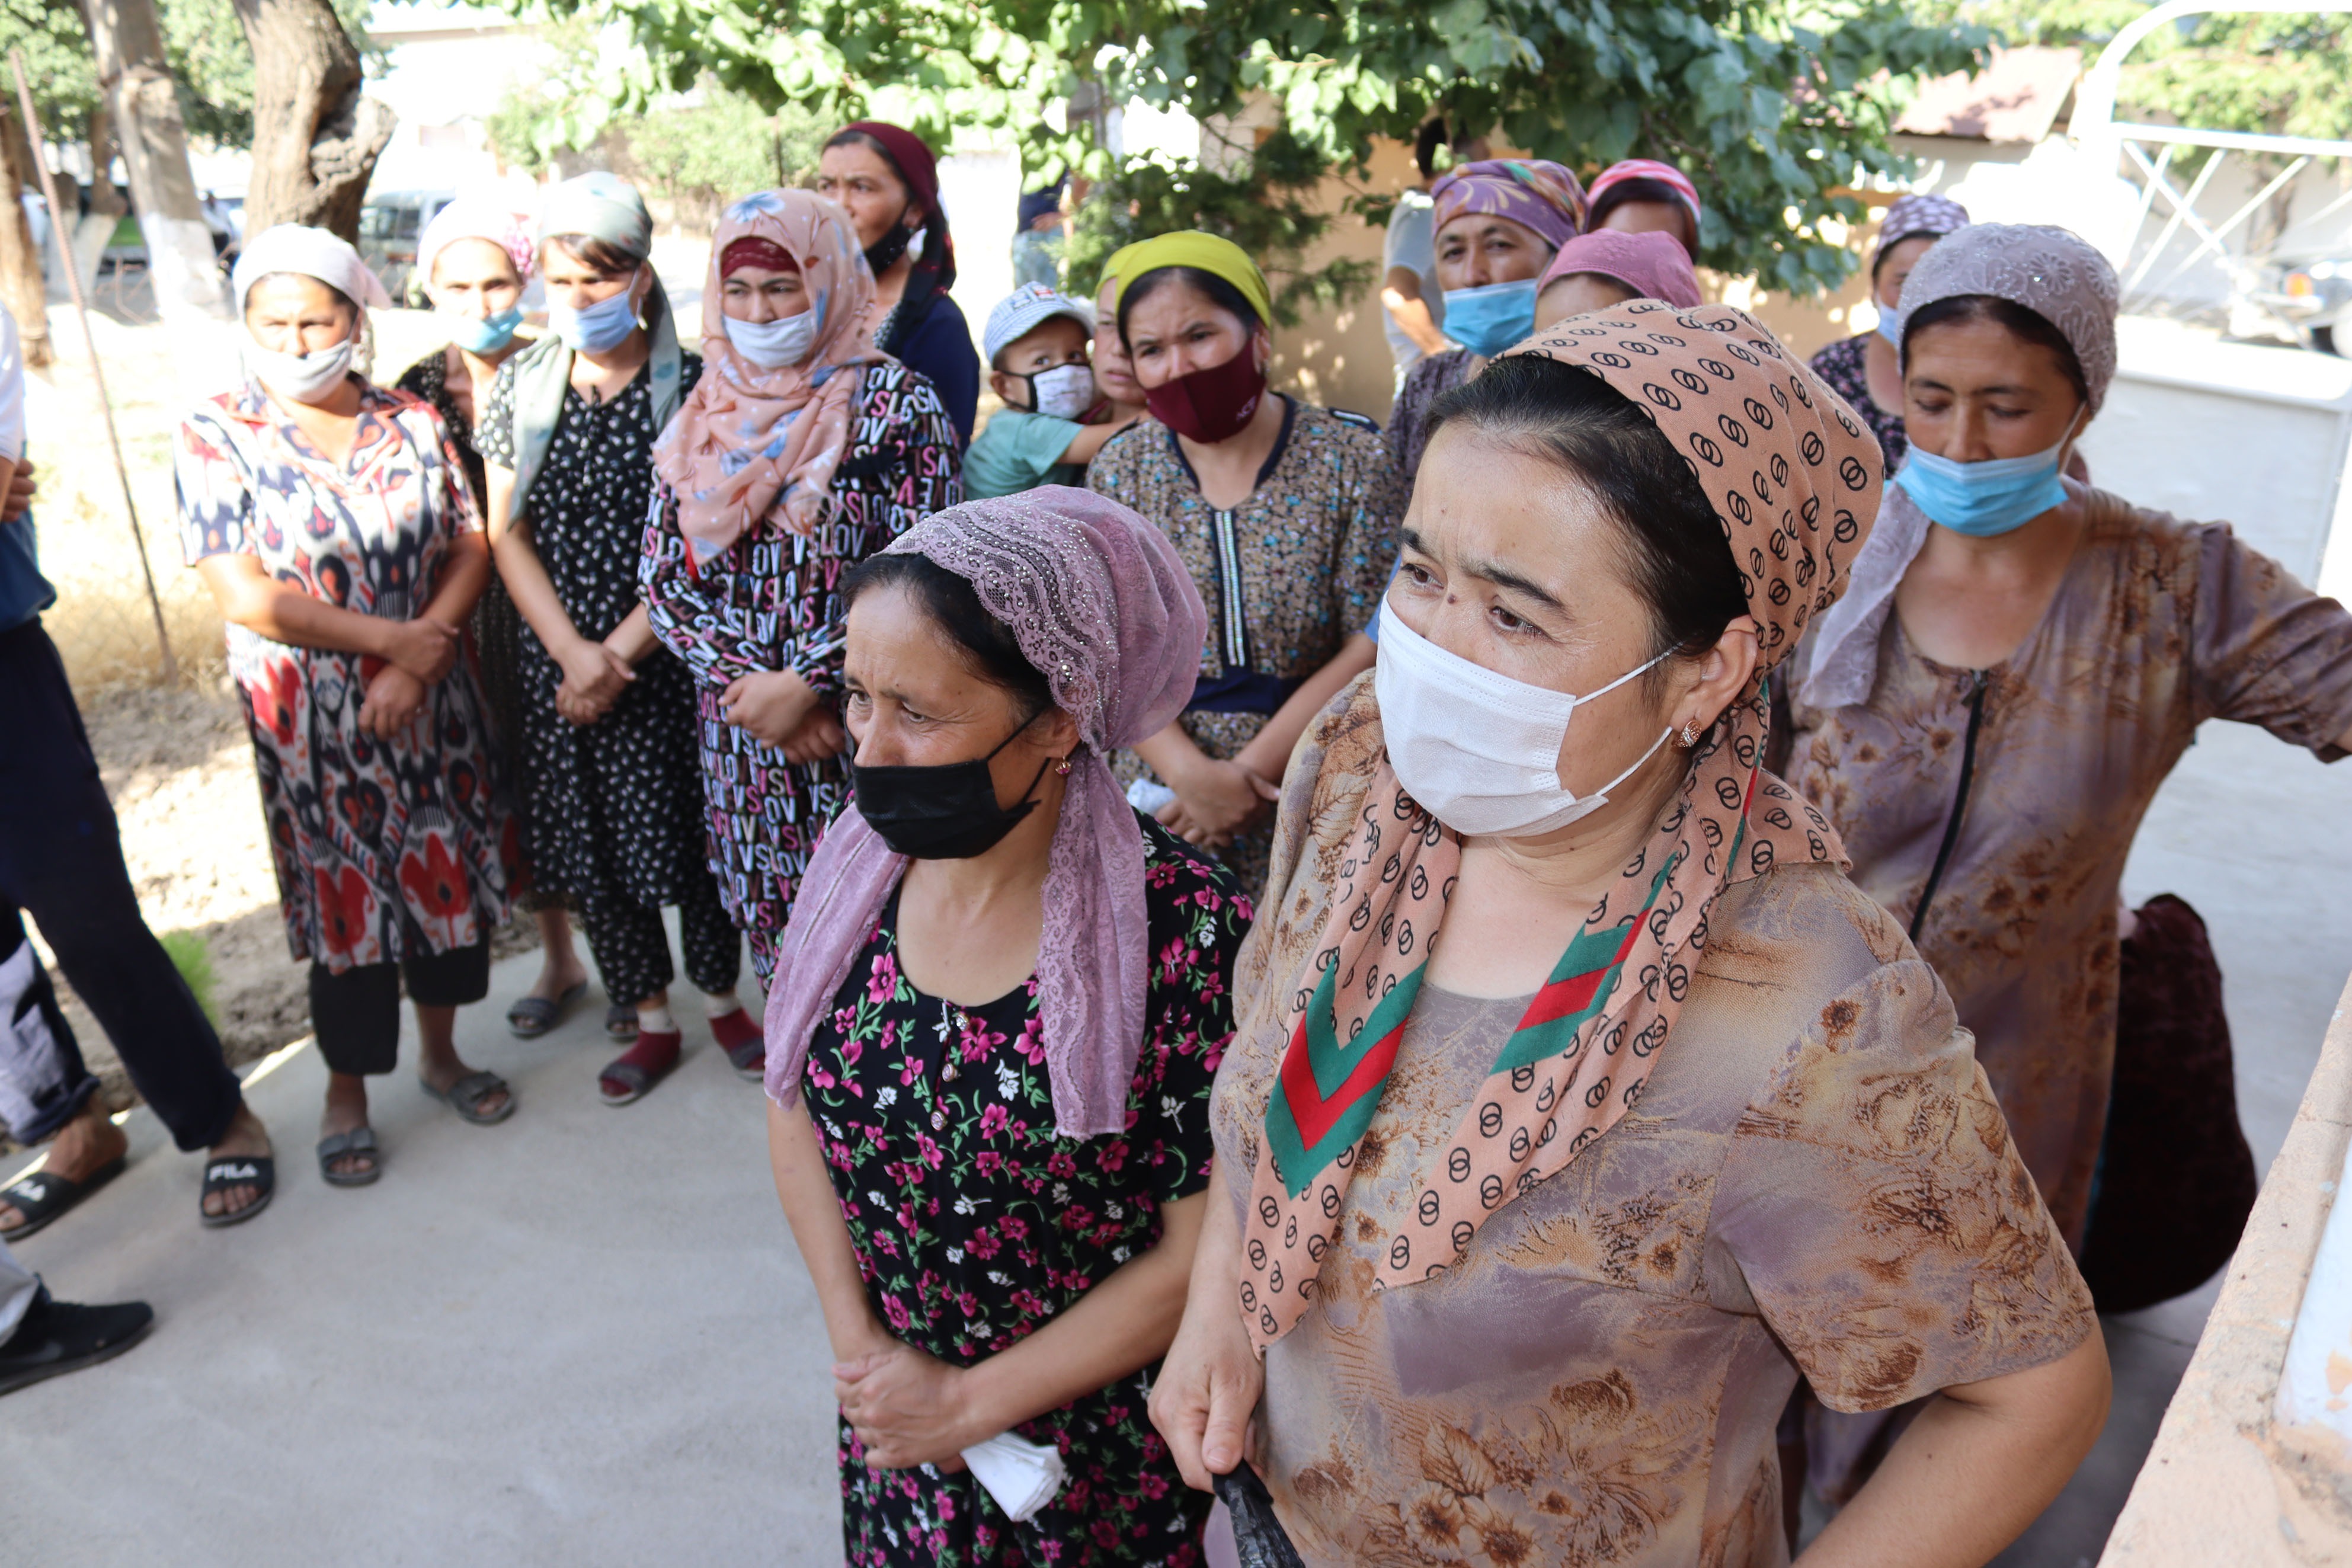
<point>713,947</point>
<point>356,1013</point>
<point>629,943</point>
<point>61,862</point>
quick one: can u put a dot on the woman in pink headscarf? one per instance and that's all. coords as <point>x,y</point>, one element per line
<point>1594,272</point>
<point>995,1034</point>
<point>802,450</point>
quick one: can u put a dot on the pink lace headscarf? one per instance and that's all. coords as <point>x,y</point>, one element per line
<point>1101,604</point>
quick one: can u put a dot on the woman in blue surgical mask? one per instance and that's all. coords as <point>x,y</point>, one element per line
<point>610,781</point>
<point>2021,662</point>
<point>474,260</point>
<point>1862,369</point>
<point>804,450</point>
<point>1499,223</point>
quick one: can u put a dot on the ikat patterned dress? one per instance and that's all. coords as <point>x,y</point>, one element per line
<point>771,601</point>
<point>383,849</point>
<point>974,1223</point>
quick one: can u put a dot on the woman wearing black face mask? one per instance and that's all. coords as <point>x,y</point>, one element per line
<point>1286,514</point>
<point>885,179</point>
<point>993,1029</point>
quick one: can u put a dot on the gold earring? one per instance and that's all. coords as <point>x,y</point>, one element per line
<point>1063,767</point>
<point>1690,732</point>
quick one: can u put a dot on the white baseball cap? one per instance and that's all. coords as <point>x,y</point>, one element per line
<point>1026,310</point>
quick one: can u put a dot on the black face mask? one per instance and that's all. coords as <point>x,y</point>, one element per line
<point>884,253</point>
<point>946,812</point>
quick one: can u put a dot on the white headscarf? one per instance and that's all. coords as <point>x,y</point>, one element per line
<point>313,253</point>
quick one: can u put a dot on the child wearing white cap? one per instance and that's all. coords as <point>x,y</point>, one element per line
<point>1037,341</point>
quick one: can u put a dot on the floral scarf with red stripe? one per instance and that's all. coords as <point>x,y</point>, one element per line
<point>1795,479</point>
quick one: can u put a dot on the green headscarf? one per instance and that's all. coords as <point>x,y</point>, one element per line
<point>1212,254</point>
<point>607,207</point>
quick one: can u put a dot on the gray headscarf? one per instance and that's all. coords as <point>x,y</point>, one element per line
<point>607,207</point>
<point>2058,275</point>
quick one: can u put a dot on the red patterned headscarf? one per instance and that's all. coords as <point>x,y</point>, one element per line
<point>1794,478</point>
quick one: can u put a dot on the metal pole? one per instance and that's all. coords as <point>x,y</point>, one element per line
<point>105,404</point>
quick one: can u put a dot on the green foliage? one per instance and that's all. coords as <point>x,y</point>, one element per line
<point>56,63</point>
<point>193,957</point>
<point>1268,210</point>
<point>702,148</point>
<point>2287,74</point>
<point>1773,110</point>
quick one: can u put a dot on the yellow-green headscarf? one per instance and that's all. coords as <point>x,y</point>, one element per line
<point>1212,254</point>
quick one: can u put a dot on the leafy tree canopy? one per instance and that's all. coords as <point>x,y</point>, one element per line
<point>1774,110</point>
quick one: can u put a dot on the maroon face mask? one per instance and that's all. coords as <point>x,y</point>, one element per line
<point>1210,405</point>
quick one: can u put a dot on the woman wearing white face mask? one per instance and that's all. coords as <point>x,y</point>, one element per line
<point>804,450</point>
<point>332,521</point>
<point>475,257</point>
<point>2068,644</point>
<point>1573,1086</point>
<point>610,774</point>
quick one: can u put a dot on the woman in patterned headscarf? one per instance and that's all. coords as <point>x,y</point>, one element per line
<point>803,450</point>
<point>2064,645</point>
<point>1862,369</point>
<point>1499,221</point>
<point>1578,1102</point>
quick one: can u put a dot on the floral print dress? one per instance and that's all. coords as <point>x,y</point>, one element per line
<point>974,1221</point>
<point>1289,575</point>
<point>1843,365</point>
<point>384,848</point>
<point>772,601</point>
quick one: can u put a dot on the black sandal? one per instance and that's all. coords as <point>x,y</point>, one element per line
<point>239,1170</point>
<point>342,1145</point>
<point>465,1096</point>
<point>43,1199</point>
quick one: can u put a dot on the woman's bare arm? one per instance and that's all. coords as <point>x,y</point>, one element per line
<point>468,575</point>
<point>1980,1464</point>
<point>1268,751</point>
<point>251,598</point>
<point>814,1212</point>
<point>593,674</point>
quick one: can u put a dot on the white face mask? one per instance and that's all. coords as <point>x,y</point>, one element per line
<point>1063,392</point>
<point>1477,748</point>
<point>773,345</point>
<point>304,378</point>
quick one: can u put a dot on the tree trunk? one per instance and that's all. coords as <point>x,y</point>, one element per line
<point>129,44</point>
<point>91,232</point>
<point>315,137</point>
<point>21,286</point>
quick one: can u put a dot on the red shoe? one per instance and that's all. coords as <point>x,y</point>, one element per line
<point>631,1076</point>
<point>738,1033</point>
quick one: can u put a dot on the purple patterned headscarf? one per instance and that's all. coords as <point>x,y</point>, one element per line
<point>1100,601</point>
<point>1920,215</point>
<point>1543,196</point>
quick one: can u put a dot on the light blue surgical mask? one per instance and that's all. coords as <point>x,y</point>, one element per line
<point>602,326</point>
<point>1890,327</point>
<point>1493,319</point>
<point>1991,498</point>
<point>488,335</point>
<point>773,345</point>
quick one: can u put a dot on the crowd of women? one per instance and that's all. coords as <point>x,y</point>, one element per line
<point>1290,968</point>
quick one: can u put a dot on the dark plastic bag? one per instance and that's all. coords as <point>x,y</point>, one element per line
<point>2176,1179</point>
<point>1259,1539</point>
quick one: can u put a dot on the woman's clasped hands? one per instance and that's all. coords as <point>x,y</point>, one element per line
<point>418,652</point>
<point>779,707</point>
<point>907,1408</point>
<point>594,676</point>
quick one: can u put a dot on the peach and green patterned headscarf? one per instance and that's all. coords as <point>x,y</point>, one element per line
<point>1794,477</point>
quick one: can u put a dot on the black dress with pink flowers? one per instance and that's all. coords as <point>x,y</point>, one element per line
<point>974,1221</point>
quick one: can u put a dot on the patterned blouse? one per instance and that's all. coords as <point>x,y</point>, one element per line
<point>1842,364</point>
<point>383,849</point>
<point>772,602</point>
<point>1409,422</point>
<point>2158,625</point>
<point>975,1222</point>
<point>1817,1179</point>
<point>1289,574</point>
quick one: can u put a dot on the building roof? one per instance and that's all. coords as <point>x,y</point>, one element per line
<point>2017,98</point>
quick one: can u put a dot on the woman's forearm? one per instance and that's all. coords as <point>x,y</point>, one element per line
<point>261,605</point>
<point>1979,1465</point>
<point>1171,753</point>
<point>532,589</point>
<point>461,586</point>
<point>1268,751</point>
<point>1122,1325</point>
<point>634,639</point>
<point>814,1212</point>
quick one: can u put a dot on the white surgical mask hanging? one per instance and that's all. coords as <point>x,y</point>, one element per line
<point>304,378</point>
<point>1476,748</point>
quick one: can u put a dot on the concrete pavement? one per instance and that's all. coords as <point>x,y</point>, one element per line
<point>583,1337</point>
